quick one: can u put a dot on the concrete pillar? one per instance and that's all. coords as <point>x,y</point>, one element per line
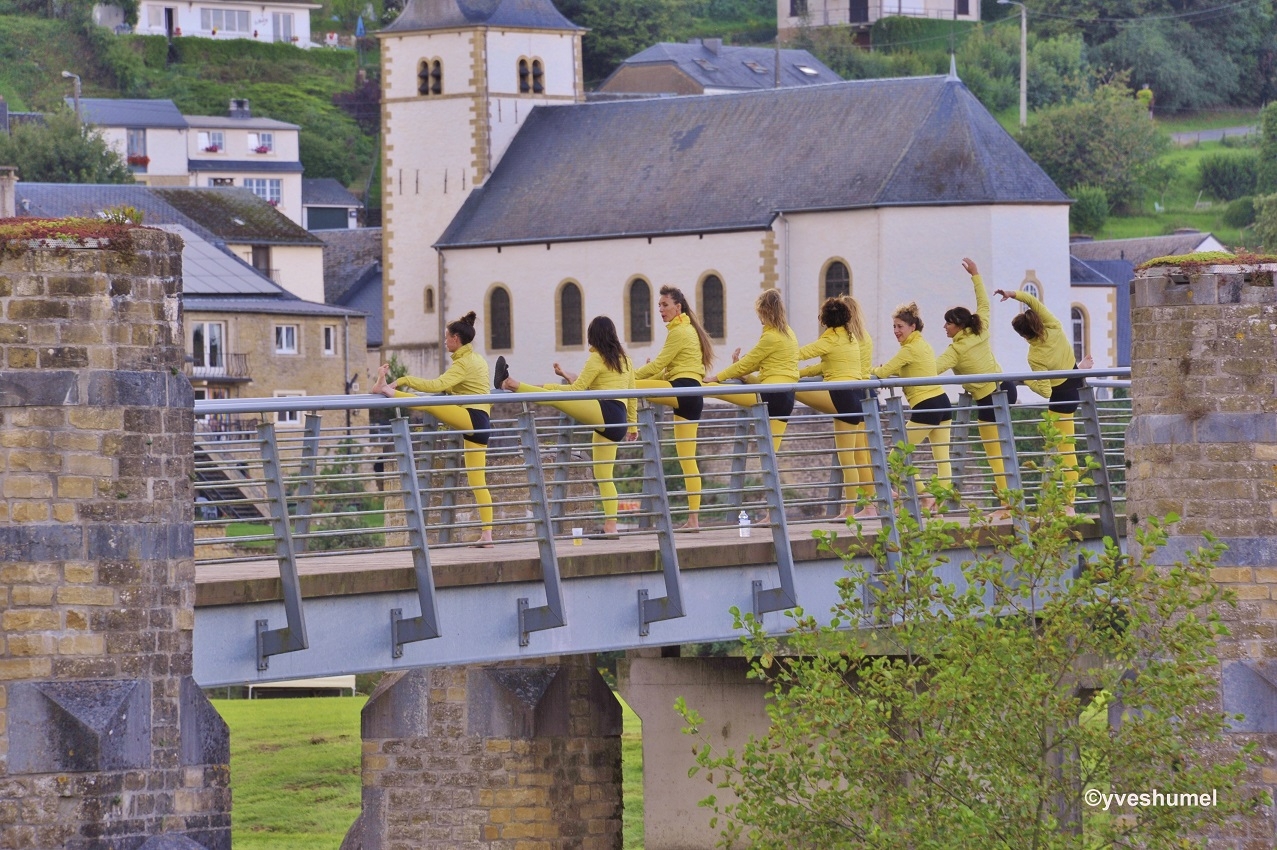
<point>1202,443</point>
<point>105,740</point>
<point>513,756</point>
<point>717,688</point>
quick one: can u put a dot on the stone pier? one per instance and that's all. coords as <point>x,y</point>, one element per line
<point>513,756</point>
<point>1202,444</point>
<point>105,740</point>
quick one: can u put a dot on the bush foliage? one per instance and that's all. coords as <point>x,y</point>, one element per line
<point>1228,176</point>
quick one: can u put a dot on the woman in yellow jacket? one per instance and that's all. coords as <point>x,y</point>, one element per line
<point>772,360</point>
<point>839,350</point>
<point>468,375</point>
<point>1051,351</point>
<point>607,368</point>
<point>969,353</point>
<point>682,362</point>
<point>929,407</point>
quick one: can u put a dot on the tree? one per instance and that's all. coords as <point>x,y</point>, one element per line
<point>1104,140</point>
<point>618,29</point>
<point>1266,178</point>
<point>973,713</point>
<point>60,151</point>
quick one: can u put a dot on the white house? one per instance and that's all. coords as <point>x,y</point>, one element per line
<point>273,20</point>
<point>165,148</point>
<point>860,15</point>
<point>544,217</point>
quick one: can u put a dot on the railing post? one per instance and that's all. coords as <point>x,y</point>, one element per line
<point>306,488</point>
<point>900,435</point>
<point>292,637</point>
<point>1010,454</point>
<point>448,444</point>
<point>1089,414</point>
<point>882,469</point>
<point>740,463</point>
<point>960,442</point>
<point>562,469</point>
<point>550,615</point>
<point>785,596</point>
<point>669,606</point>
<point>426,625</point>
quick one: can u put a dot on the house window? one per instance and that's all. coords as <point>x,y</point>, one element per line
<point>211,141</point>
<point>289,417</point>
<point>430,77</point>
<point>136,141</point>
<point>1078,316</point>
<point>837,280</point>
<point>265,188</point>
<point>221,181</point>
<point>208,347</point>
<point>283,26</point>
<point>285,339</point>
<point>797,8</point>
<point>330,340</point>
<point>261,142</point>
<point>499,335</point>
<point>570,319</point>
<point>1030,287</point>
<point>962,7</point>
<point>430,300</point>
<point>712,306</point>
<point>225,20</point>
<point>261,259</point>
<point>640,311</point>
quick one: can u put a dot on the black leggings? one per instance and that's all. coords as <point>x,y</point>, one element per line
<point>1065,398</point>
<point>779,404</point>
<point>985,405</point>
<point>689,407</point>
<point>847,403</point>
<point>614,415</point>
<point>932,411</point>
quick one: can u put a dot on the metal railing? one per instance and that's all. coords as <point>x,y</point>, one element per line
<point>399,485</point>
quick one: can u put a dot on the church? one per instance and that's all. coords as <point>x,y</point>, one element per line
<point>506,192</point>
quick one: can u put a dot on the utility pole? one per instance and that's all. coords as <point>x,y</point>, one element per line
<point>75,94</point>
<point>1024,59</point>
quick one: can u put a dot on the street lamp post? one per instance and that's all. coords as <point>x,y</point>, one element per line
<point>1024,59</point>
<point>75,93</point>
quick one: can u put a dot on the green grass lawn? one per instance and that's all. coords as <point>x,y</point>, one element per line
<point>295,772</point>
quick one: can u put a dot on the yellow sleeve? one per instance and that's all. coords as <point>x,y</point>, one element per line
<point>631,403</point>
<point>893,366</point>
<point>982,308</point>
<point>814,369</point>
<point>1041,387</point>
<point>454,375</point>
<point>819,348</point>
<point>947,360</point>
<point>584,381</point>
<point>749,362</point>
<point>1047,317</point>
<point>866,354</point>
<point>662,361</point>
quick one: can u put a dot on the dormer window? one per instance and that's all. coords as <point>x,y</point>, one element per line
<point>261,142</point>
<point>212,141</point>
<point>531,76</point>
<point>430,77</point>
<point>756,68</point>
<point>704,63</point>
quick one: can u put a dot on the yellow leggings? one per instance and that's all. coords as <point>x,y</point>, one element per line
<point>938,437</point>
<point>777,426</point>
<point>1065,424</point>
<point>475,456</point>
<point>993,453</point>
<point>852,444</point>
<point>684,444</point>
<point>590,412</point>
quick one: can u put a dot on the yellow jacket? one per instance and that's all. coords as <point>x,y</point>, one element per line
<point>968,352</point>
<point>468,375</point>
<point>866,355</point>
<point>915,359</point>
<point>1051,352</point>
<point>680,356</point>
<point>595,375</point>
<point>839,355</point>
<point>774,357</point>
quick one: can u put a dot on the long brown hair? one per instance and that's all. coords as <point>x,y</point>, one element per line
<point>675,294</point>
<point>602,337</point>
<point>1028,324</point>
<point>771,310</point>
<point>856,324</point>
<point>964,319</point>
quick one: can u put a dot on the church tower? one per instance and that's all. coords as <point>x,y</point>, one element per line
<point>458,78</point>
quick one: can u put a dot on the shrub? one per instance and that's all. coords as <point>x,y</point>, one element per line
<point>1228,176</point>
<point>1090,209</point>
<point>1241,212</point>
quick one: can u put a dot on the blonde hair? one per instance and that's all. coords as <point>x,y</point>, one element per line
<point>909,314</point>
<point>771,310</point>
<point>856,324</point>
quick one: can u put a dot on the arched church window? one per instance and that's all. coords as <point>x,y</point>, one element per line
<point>640,297</point>
<point>570,320</point>
<point>837,280</point>
<point>499,320</point>
<point>713,306</point>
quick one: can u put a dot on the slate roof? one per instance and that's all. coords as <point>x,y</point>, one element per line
<point>211,270</point>
<point>726,68</point>
<point>217,122</point>
<point>236,215</point>
<point>60,200</point>
<point>327,192</point>
<point>123,112</point>
<point>449,14</point>
<point>731,162</point>
<point>262,165</point>
<point>1141,249</point>
<point>366,297</point>
<point>1082,273</point>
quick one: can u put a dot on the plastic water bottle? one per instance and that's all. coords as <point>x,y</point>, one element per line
<point>742,520</point>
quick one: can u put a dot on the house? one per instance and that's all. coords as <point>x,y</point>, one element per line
<point>273,20</point>
<point>860,15</point>
<point>246,336</point>
<point>707,66</point>
<point>328,205</point>
<point>544,210</point>
<point>165,148</point>
<point>231,218</point>
<point>1144,248</point>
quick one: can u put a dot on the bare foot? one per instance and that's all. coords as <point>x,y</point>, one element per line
<point>927,504</point>
<point>867,512</point>
<point>1000,515</point>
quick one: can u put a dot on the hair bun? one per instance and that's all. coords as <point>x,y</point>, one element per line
<point>469,318</point>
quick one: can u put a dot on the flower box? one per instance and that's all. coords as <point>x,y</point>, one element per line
<point>262,149</point>
<point>140,160</point>
<point>213,149</point>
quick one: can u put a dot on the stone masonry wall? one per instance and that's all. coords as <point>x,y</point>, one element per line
<point>1203,444</point>
<point>515,756</point>
<point>105,740</point>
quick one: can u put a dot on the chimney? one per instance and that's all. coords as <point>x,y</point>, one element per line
<point>8,191</point>
<point>239,108</point>
<point>713,45</point>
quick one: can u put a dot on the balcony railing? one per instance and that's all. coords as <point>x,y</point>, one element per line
<point>232,367</point>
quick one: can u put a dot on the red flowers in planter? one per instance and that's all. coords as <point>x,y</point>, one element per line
<point>262,149</point>
<point>139,159</point>
<point>212,149</point>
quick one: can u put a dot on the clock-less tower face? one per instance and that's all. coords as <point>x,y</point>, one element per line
<point>457,81</point>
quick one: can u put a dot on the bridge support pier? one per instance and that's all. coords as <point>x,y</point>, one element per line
<point>519,755</point>
<point>716,687</point>
<point>105,739</point>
